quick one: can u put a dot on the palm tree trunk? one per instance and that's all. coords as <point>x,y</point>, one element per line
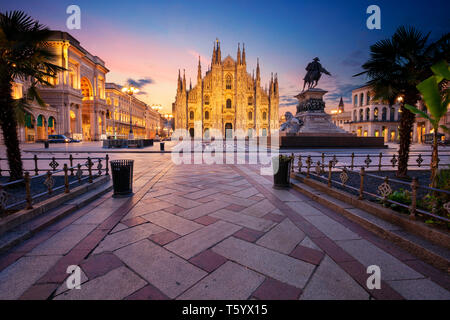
<point>406,127</point>
<point>8,123</point>
<point>434,159</point>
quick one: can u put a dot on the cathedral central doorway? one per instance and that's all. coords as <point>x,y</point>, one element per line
<point>228,130</point>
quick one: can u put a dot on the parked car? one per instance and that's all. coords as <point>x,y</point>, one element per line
<point>429,137</point>
<point>58,138</point>
<point>74,140</point>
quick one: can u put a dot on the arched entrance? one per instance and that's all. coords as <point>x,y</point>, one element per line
<point>41,134</point>
<point>51,125</point>
<point>73,122</point>
<point>86,90</point>
<point>191,132</point>
<point>228,130</point>
<point>29,128</point>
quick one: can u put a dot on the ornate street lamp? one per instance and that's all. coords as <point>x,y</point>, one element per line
<point>130,90</point>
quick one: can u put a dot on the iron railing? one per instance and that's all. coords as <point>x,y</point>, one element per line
<point>439,200</point>
<point>92,166</point>
<point>377,161</point>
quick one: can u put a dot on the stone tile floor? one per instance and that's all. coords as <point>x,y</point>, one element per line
<point>211,232</point>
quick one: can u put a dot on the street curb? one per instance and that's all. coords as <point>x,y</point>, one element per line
<point>15,235</point>
<point>439,261</point>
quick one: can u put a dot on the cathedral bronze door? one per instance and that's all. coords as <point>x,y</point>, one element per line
<point>191,132</point>
<point>228,130</point>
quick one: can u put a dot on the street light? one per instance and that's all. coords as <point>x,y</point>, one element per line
<point>130,90</point>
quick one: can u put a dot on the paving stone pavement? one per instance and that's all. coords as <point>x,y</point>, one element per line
<point>211,232</point>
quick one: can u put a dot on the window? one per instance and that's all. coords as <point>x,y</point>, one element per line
<point>228,104</point>
<point>355,101</point>
<point>207,115</point>
<point>206,100</point>
<point>250,101</point>
<point>250,116</point>
<point>228,82</point>
<point>375,114</point>
<point>354,116</point>
<point>368,98</point>
<point>191,115</point>
<point>361,99</point>
<point>361,115</point>
<point>367,114</point>
<point>264,115</point>
<point>392,114</point>
<point>384,114</point>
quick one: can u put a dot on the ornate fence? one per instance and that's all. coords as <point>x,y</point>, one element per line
<point>420,199</point>
<point>369,161</point>
<point>78,171</point>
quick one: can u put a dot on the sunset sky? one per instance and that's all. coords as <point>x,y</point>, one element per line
<point>151,40</point>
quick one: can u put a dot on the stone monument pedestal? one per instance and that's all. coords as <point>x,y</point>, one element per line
<point>318,131</point>
<point>310,112</point>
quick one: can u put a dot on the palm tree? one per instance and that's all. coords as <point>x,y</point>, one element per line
<point>24,55</point>
<point>436,99</point>
<point>396,66</point>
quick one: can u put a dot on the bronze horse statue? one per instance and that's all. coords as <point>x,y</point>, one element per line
<point>314,73</point>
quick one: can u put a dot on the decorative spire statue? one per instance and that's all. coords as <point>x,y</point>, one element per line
<point>314,73</point>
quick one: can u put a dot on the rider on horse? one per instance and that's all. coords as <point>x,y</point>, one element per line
<point>314,73</point>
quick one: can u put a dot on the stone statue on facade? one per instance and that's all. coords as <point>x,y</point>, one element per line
<point>314,73</point>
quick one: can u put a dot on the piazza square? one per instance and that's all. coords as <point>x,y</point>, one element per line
<point>223,181</point>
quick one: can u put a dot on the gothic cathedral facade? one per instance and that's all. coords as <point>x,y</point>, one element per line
<point>227,99</point>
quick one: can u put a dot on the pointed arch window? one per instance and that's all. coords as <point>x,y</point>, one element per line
<point>206,100</point>
<point>191,115</point>
<point>206,115</point>
<point>264,115</point>
<point>250,101</point>
<point>250,116</point>
<point>228,81</point>
<point>229,104</point>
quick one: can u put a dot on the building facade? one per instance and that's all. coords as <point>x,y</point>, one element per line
<point>341,118</point>
<point>144,120</point>
<point>372,118</point>
<point>77,103</point>
<point>227,98</point>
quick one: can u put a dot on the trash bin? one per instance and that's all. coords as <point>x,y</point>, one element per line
<point>122,174</point>
<point>46,144</point>
<point>282,170</point>
<point>161,146</point>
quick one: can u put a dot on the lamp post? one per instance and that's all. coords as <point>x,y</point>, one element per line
<point>130,90</point>
<point>157,108</point>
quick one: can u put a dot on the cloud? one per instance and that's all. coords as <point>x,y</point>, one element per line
<point>140,83</point>
<point>287,101</point>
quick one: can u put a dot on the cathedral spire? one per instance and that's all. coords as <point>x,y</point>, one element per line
<point>243,54</point>
<point>341,106</point>
<point>258,71</point>
<point>179,81</point>
<point>219,53</point>
<point>271,84</point>
<point>190,84</point>
<point>275,85</point>
<point>239,54</point>
<point>213,60</point>
<point>199,71</point>
<point>184,80</point>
